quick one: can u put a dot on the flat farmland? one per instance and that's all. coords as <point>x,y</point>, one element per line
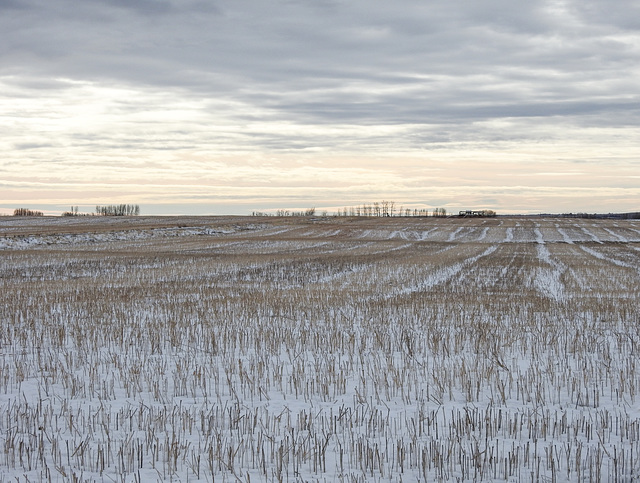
<point>319,349</point>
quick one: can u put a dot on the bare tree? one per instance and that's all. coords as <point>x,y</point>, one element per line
<point>26,212</point>
<point>118,210</point>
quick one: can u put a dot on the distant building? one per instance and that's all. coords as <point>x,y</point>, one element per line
<point>476,213</point>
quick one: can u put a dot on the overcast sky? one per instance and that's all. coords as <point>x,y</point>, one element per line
<point>231,106</point>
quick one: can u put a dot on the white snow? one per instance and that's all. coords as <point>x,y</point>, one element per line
<point>616,235</point>
<point>453,235</point>
<point>591,235</point>
<point>565,237</point>
<point>509,235</point>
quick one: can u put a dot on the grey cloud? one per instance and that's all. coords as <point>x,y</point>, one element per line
<point>619,14</point>
<point>362,62</point>
<point>26,146</point>
<point>11,5</point>
<point>39,83</point>
<point>148,7</point>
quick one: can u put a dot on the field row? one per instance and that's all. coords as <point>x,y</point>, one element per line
<point>24,234</point>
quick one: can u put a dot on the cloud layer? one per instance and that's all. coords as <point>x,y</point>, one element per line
<point>233,106</point>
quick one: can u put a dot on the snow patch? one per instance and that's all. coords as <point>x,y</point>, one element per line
<point>453,236</point>
<point>617,236</point>
<point>591,235</point>
<point>509,237</point>
<point>602,256</point>
<point>444,274</point>
<point>564,235</point>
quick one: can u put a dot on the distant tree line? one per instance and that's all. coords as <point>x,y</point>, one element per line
<point>118,210</point>
<point>377,208</point>
<point>109,210</point>
<point>26,212</point>
<point>308,212</point>
<point>73,212</point>
<point>388,208</point>
<point>635,215</point>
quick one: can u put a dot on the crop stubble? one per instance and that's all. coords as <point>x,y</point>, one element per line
<point>285,349</point>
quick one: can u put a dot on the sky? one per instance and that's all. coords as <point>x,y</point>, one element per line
<point>229,107</point>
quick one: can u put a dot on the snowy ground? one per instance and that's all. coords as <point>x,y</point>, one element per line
<point>264,349</point>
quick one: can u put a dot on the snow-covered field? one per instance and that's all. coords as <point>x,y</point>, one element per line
<point>293,349</point>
